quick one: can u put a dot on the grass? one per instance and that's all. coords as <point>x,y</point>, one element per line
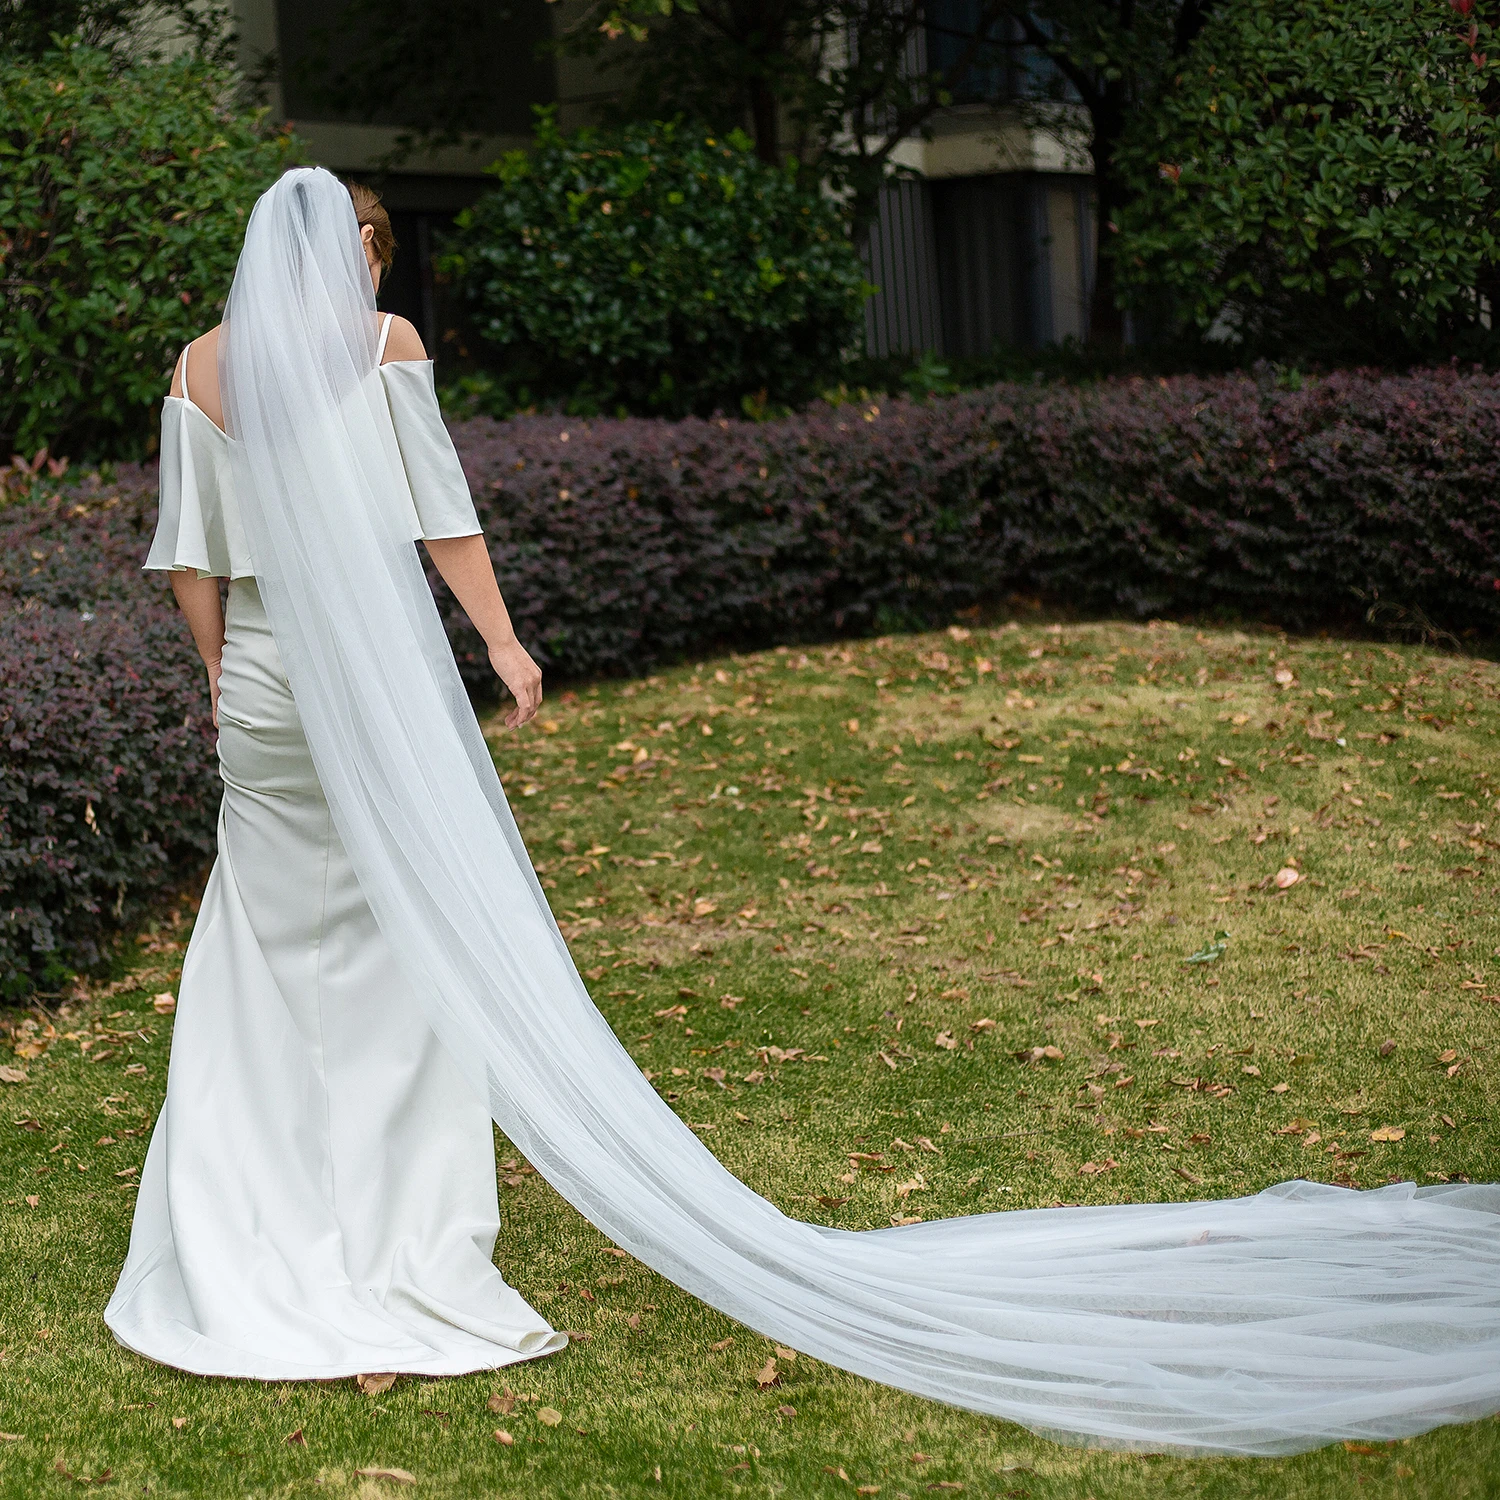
<point>827,898</point>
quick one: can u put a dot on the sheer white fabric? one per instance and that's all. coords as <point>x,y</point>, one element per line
<point>199,524</point>
<point>1262,1325</point>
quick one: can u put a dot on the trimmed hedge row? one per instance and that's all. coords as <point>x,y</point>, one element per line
<point>107,792</point>
<point>621,544</point>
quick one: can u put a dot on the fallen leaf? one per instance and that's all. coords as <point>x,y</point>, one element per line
<point>983,1024</point>
<point>164,1004</point>
<point>1360,1448</point>
<point>702,908</point>
<point>767,1376</point>
<point>786,1411</point>
<point>832,1202</point>
<point>503,1437</point>
<point>375,1385</point>
<point>12,1075</point>
<point>1388,1133</point>
<point>12,1437</point>
<point>1287,877</point>
<point>502,1402</point>
<point>179,1422</point>
<point>549,1416</point>
<point>395,1476</point>
<point>722,1345</point>
<point>1092,1168</point>
<point>296,1439</point>
<point>1387,1047</point>
<point>944,1039</point>
<point>1280,1088</point>
<point>32,1200</point>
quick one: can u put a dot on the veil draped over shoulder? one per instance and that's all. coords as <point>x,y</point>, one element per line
<point>1262,1325</point>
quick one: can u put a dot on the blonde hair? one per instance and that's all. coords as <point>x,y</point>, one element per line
<point>369,210</point>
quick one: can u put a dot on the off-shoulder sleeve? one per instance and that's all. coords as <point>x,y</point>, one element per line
<point>438,486</point>
<point>197,524</point>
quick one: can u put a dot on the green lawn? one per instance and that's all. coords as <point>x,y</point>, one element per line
<point>834,901</point>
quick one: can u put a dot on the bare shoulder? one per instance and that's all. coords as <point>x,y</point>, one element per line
<point>203,353</point>
<point>402,342</point>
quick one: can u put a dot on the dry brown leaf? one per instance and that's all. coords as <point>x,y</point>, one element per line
<point>983,1024</point>
<point>767,1377</point>
<point>164,1004</point>
<point>392,1476</point>
<point>549,1416</point>
<point>786,1411</point>
<point>503,1437</point>
<point>1280,1088</point>
<point>1287,877</point>
<point>1388,1133</point>
<point>944,1039</point>
<point>375,1385</point>
<point>722,1345</point>
<point>12,1075</point>
<point>296,1439</point>
<point>179,1422</point>
<point>32,1200</point>
<point>503,1403</point>
<point>789,1355</point>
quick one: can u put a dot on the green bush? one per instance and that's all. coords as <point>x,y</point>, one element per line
<point>1322,180</point>
<point>123,196</point>
<point>654,269</point>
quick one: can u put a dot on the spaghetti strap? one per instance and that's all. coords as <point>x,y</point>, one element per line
<point>385,329</point>
<point>182,360</point>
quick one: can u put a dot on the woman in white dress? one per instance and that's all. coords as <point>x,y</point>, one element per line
<point>319,1198</point>
<point>375,975</point>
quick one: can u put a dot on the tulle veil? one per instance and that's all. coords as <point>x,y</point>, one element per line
<point>1262,1325</point>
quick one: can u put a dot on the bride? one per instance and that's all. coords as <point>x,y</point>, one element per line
<point>375,976</point>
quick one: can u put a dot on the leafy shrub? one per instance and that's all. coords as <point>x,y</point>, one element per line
<point>620,544</point>
<point>654,268</point>
<point>623,543</point>
<point>1322,179</point>
<point>107,791</point>
<point>123,196</point>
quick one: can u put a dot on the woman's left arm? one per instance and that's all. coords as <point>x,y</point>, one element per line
<point>198,599</point>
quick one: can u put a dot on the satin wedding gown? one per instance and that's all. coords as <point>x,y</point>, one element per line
<point>319,1195</point>
<point>318,1199</point>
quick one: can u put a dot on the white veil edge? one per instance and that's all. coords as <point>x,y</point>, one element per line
<point>1263,1325</point>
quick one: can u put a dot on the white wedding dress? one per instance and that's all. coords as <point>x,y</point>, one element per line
<point>319,1195</point>
<point>317,1198</point>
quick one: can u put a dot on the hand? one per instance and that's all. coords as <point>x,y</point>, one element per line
<point>214,668</point>
<point>515,668</point>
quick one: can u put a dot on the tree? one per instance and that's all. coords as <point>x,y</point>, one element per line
<point>846,72</point>
<point>124,192</point>
<point>839,84</point>
<point>28,27</point>
<point>654,269</point>
<point>1324,181</point>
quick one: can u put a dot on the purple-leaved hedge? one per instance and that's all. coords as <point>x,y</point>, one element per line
<point>623,544</point>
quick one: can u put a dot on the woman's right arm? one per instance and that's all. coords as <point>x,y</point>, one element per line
<point>198,599</point>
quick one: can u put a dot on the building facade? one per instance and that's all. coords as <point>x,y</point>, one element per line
<point>985,231</point>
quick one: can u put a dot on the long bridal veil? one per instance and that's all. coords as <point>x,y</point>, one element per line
<point>1262,1325</point>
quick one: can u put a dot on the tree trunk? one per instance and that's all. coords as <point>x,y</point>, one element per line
<point>1107,115</point>
<point>765,119</point>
